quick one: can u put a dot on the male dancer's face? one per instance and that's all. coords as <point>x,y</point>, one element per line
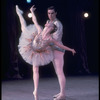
<point>52,15</point>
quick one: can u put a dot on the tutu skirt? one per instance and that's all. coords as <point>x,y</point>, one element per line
<point>29,51</point>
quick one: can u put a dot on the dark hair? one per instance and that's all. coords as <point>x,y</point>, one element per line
<point>52,8</point>
<point>55,29</point>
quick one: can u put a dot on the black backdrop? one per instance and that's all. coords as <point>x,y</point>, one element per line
<point>79,33</point>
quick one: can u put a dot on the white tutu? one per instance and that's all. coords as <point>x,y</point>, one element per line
<point>28,48</point>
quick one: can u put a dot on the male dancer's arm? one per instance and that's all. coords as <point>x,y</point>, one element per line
<point>57,35</point>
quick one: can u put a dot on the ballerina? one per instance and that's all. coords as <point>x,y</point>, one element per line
<point>35,45</point>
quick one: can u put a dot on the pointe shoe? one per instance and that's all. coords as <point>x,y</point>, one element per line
<point>35,96</point>
<point>60,98</point>
<point>55,96</point>
<point>18,11</point>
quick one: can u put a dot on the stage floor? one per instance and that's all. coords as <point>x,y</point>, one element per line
<point>77,88</point>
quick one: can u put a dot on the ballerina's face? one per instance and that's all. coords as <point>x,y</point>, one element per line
<point>51,27</point>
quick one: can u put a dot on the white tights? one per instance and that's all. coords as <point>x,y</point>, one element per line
<point>21,18</point>
<point>36,81</point>
<point>58,65</point>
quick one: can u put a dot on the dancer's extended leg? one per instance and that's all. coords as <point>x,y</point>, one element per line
<point>21,18</point>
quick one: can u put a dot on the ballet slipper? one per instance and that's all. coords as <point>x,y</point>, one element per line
<point>18,11</point>
<point>55,96</point>
<point>35,96</point>
<point>60,97</point>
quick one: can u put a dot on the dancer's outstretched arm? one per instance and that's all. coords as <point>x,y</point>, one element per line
<point>63,47</point>
<point>34,19</point>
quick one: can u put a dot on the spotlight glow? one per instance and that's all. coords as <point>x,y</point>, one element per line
<point>29,15</point>
<point>86,15</point>
<point>28,1</point>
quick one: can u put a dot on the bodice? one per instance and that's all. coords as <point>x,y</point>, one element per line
<point>39,43</point>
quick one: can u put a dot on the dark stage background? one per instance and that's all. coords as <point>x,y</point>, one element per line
<point>79,33</point>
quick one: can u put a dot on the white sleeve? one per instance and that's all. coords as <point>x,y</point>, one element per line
<point>57,35</point>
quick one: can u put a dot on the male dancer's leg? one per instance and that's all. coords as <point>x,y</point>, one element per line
<point>58,63</point>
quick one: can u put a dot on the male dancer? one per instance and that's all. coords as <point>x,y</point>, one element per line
<point>58,61</point>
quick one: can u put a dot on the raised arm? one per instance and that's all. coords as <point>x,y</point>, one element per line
<point>34,19</point>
